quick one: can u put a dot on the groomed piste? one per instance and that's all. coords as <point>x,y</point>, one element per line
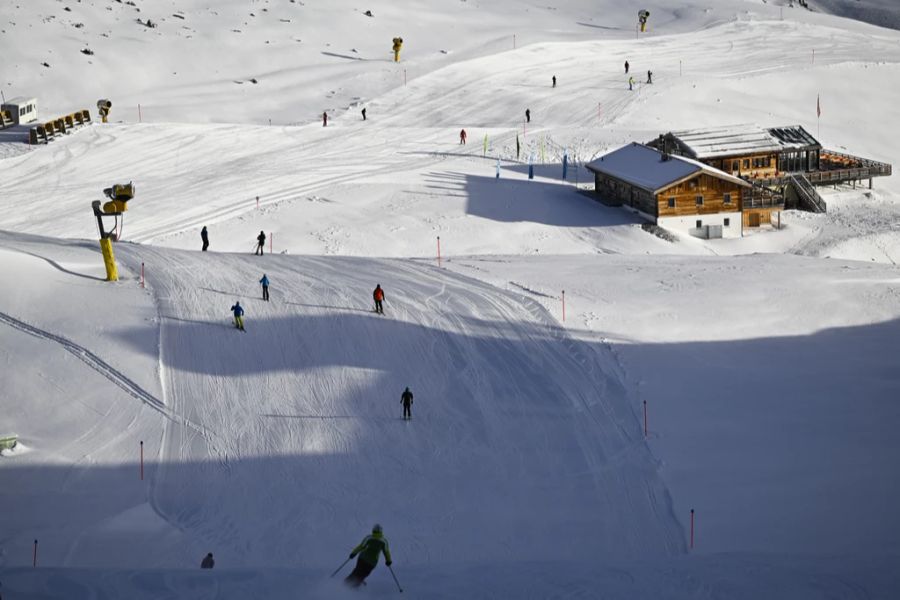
<point>600,412</point>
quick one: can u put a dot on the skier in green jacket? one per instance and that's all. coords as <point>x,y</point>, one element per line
<point>368,551</point>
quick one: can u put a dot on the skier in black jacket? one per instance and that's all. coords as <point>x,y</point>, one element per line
<point>261,242</point>
<point>407,399</point>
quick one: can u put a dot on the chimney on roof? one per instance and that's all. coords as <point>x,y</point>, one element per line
<point>663,150</point>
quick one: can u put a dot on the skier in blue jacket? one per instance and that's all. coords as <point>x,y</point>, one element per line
<point>238,315</point>
<point>265,285</point>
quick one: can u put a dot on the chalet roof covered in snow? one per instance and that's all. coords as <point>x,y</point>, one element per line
<point>644,167</point>
<point>734,140</point>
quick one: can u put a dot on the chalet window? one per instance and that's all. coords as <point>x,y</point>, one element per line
<point>699,200</point>
<point>699,224</point>
<point>736,165</point>
<point>727,223</point>
<point>746,163</point>
<point>671,202</point>
<point>726,198</point>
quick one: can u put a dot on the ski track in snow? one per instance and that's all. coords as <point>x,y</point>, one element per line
<point>100,366</point>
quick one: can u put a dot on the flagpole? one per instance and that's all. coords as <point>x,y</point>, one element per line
<point>818,116</point>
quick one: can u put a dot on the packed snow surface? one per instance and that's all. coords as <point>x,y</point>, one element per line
<point>581,385</point>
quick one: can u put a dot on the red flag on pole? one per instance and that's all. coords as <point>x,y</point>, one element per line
<point>818,107</point>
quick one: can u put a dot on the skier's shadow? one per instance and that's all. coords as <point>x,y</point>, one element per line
<point>231,294</point>
<point>351,308</point>
<point>323,417</point>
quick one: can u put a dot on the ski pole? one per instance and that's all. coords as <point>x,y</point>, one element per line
<point>395,578</point>
<point>340,567</point>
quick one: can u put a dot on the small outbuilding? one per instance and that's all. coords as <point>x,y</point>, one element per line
<point>674,192</point>
<point>22,110</point>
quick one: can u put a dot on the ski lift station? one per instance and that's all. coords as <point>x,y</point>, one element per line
<point>22,110</point>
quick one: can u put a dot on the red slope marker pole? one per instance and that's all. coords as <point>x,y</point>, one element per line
<point>692,529</point>
<point>257,203</point>
<point>34,556</point>
<point>564,305</point>
<point>142,460</point>
<point>271,241</point>
<point>645,418</point>
<point>142,274</point>
<point>439,250</point>
<point>140,120</point>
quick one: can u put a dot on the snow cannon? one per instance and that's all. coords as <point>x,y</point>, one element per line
<point>398,43</point>
<point>643,15</point>
<point>103,107</point>
<point>119,195</point>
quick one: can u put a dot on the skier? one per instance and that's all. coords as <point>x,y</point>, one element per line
<point>265,285</point>
<point>406,399</point>
<point>208,562</point>
<point>368,550</point>
<point>260,242</point>
<point>378,296</point>
<point>554,81</point>
<point>528,115</point>
<point>324,119</point>
<point>364,114</point>
<point>205,237</point>
<point>649,76</point>
<point>626,67</point>
<point>630,84</point>
<point>238,315</point>
<point>462,136</point>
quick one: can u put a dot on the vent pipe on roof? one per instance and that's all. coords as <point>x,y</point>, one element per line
<point>663,150</point>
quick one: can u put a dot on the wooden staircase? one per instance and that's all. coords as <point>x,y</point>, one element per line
<point>807,196</point>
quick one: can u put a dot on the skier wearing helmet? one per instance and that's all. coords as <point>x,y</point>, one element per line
<point>378,297</point>
<point>368,551</point>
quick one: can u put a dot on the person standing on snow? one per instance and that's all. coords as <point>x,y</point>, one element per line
<point>554,81</point>
<point>364,114</point>
<point>368,550</point>
<point>528,115</point>
<point>260,243</point>
<point>626,67</point>
<point>630,84</point>
<point>649,76</point>
<point>238,315</point>
<point>324,119</point>
<point>406,399</point>
<point>265,285</point>
<point>205,237</point>
<point>462,136</point>
<point>378,296</point>
<point>208,562</point>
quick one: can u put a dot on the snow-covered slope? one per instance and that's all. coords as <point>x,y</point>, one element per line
<point>769,379</point>
<point>199,62</point>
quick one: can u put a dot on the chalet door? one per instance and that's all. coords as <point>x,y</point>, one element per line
<point>754,219</point>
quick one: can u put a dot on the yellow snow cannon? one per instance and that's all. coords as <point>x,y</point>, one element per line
<point>119,195</point>
<point>643,15</point>
<point>103,107</point>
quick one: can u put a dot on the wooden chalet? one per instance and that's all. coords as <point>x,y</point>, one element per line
<point>783,165</point>
<point>674,192</point>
